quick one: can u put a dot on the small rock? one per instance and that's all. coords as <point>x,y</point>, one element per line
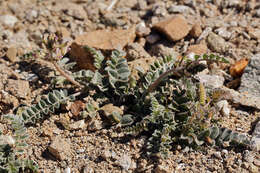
<point>107,155</point>
<point>216,43</point>
<point>198,49</point>
<point>162,169</point>
<point>142,30</point>
<point>255,141</point>
<point>77,125</point>
<point>174,28</point>
<point>60,148</point>
<point>67,170</point>
<point>88,169</point>
<point>257,162</point>
<point>158,9</point>
<point>125,162</point>
<point>159,50</point>
<point>136,51</point>
<point>141,5</point>
<point>237,69</point>
<point>100,39</point>
<point>244,99</point>
<point>95,125</point>
<point>180,9</point>
<point>109,108</point>
<point>224,33</point>
<point>152,38</point>
<point>204,34</point>
<point>18,88</point>
<point>253,169</point>
<point>217,155</point>
<point>196,30</point>
<point>143,63</point>
<point>212,81</point>
<point>254,33</point>
<point>8,20</point>
<point>31,15</point>
<point>11,54</point>
<point>223,107</point>
<point>250,80</point>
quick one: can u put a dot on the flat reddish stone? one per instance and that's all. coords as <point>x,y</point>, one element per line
<point>100,39</point>
<point>198,49</point>
<point>174,28</point>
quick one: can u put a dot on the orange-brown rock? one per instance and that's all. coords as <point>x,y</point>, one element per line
<point>174,28</point>
<point>198,49</point>
<point>237,69</point>
<point>100,39</point>
<point>196,30</point>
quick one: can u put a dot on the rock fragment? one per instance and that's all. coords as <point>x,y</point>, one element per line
<point>8,20</point>
<point>60,148</point>
<point>237,69</point>
<point>212,81</point>
<point>174,28</point>
<point>198,49</point>
<point>11,54</point>
<point>100,39</point>
<point>216,43</point>
<point>18,88</point>
<point>250,80</point>
<point>196,30</point>
<point>136,51</point>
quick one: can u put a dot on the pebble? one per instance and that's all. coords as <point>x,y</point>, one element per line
<point>217,155</point>
<point>212,81</point>
<point>18,88</point>
<point>11,54</point>
<point>223,107</point>
<point>198,49</point>
<point>196,30</point>
<point>136,51</point>
<point>8,20</point>
<point>125,162</point>
<point>60,148</point>
<point>152,38</point>
<point>31,15</point>
<point>67,170</point>
<point>162,169</point>
<point>216,43</point>
<point>142,30</point>
<point>174,28</point>
<point>180,9</point>
<point>223,33</point>
<point>250,80</point>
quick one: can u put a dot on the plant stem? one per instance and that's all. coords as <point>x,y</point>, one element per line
<point>69,78</point>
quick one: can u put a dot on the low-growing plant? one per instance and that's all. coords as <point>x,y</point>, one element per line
<point>166,103</point>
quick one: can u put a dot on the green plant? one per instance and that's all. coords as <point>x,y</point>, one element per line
<point>166,103</point>
<point>12,148</point>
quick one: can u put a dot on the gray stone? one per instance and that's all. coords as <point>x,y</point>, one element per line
<point>216,43</point>
<point>31,15</point>
<point>257,12</point>
<point>212,81</point>
<point>160,50</point>
<point>250,80</point>
<point>152,38</point>
<point>255,141</point>
<point>243,99</point>
<point>8,20</point>
<point>180,9</point>
<point>224,33</point>
<point>125,162</point>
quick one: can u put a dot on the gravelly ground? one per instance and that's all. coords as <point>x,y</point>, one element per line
<point>23,22</point>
